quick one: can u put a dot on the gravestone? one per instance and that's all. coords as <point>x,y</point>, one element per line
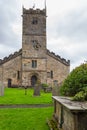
<point>37,89</point>
<point>55,89</point>
<point>1,89</point>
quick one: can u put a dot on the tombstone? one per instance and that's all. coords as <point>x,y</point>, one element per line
<point>37,89</point>
<point>70,115</point>
<point>55,89</point>
<point>1,89</point>
<point>25,87</point>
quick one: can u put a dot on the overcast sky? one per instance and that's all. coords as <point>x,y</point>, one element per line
<point>66,27</point>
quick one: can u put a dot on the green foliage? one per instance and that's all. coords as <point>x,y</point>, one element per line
<point>81,96</point>
<point>52,124</point>
<point>44,85</point>
<point>75,82</point>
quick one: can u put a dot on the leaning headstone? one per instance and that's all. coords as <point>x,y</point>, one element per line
<point>1,89</point>
<point>37,89</point>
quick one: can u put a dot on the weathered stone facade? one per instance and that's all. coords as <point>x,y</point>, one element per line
<point>33,62</point>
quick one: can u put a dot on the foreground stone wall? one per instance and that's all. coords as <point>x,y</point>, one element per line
<point>70,115</point>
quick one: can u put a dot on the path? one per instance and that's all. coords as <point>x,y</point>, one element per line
<point>26,106</point>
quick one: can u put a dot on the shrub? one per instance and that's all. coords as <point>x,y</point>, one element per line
<point>80,96</point>
<point>44,85</point>
<point>75,82</point>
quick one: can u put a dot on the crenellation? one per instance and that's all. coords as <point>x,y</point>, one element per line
<point>34,11</point>
<point>11,56</point>
<point>57,57</point>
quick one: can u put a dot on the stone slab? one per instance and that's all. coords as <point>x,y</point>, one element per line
<point>71,105</point>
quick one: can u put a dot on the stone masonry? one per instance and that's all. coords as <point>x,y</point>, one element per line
<point>34,61</point>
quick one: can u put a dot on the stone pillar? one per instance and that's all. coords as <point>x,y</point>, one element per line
<point>1,89</point>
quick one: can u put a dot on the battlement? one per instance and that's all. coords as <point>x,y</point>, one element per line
<point>34,11</point>
<point>11,56</point>
<point>57,57</point>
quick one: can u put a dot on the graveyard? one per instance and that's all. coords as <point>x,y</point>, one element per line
<point>26,114</point>
<point>65,107</point>
<point>25,111</point>
<point>17,96</point>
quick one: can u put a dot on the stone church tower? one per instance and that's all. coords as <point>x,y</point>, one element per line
<point>34,61</point>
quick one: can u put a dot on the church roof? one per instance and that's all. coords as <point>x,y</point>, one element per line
<point>52,54</point>
<point>11,56</point>
<point>57,57</point>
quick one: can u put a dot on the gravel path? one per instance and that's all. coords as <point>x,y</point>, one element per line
<point>26,106</point>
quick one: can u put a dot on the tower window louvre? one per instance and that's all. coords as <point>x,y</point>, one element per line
<point>35,20</point>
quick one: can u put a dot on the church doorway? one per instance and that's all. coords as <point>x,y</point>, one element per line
<point>9,83</point>
<point>33,80</point>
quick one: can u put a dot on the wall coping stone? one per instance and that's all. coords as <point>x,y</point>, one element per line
<point>73,106</point>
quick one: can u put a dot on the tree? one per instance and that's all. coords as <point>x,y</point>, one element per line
<point>75,82</point>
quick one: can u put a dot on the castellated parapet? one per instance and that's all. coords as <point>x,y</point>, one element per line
<point>34,11</point>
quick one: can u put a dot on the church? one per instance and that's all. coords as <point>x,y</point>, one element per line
<point>34,61</point>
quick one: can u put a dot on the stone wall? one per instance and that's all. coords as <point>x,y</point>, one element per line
<point>27,64</point>
<point>10,71</point>
<point>29,49</point>
<point>26,77</point>
<point>60,70</point>
<point>1,73</point>
<point>31,28</point>
<point>70,115</point>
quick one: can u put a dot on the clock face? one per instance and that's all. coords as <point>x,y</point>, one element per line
<point>36,45</point>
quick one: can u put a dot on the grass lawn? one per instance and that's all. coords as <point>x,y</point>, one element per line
<point>17,96</point>
<point>25,119</point>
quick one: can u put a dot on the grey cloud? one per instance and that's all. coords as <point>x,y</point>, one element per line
<point>73,25</point>
<point>8,17</point>
<point>73,28</point>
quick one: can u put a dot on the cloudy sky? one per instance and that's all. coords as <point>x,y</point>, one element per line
<point>66,27</point>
